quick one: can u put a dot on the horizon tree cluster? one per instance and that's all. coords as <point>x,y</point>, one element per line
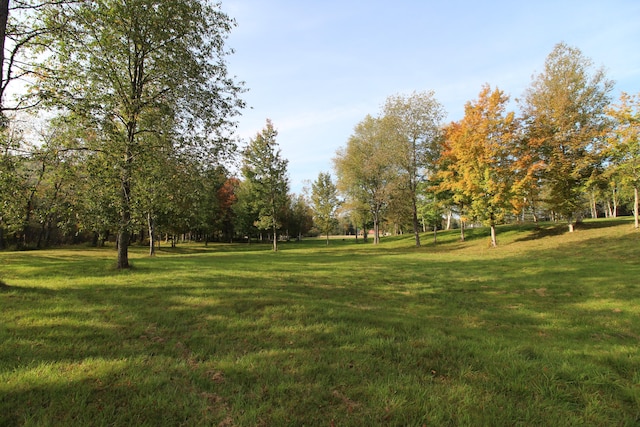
<point>568,153</point>
<point>139,147</point>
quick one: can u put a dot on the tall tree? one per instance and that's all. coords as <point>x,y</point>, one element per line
<point>324,196</point>
<point>4,20</point>
<point>14,182</point>
<point>417,120</point>
<point>447,183</point>
<point>266,171</point>
<point>365,168</point>
<point>564,117</point>
<point>129,67</point>
<point>480,153</point>
<point>19,34</point>
<point>624,144</point>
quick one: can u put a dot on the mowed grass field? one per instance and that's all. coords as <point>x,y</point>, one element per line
<point>543,330</point>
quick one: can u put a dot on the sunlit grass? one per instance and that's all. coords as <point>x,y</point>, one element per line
<point>543,330</point>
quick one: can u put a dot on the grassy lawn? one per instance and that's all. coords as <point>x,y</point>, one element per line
<point>543,330</point>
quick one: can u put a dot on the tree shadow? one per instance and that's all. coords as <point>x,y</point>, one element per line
<point>314,320</point>
<point>542,231</point>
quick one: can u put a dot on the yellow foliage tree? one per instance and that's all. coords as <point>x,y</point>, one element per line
<point>478,158</point>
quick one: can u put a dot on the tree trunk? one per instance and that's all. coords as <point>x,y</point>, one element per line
<point>327,238</point>
<point>461,230</point>
<point>4,17</point>
<point>416,224</point>
<point>494,242</point>
<point>152,233</point>
<point>275,239</point>
<point>123,249</point>
<point>449,215</point>
<point>376,230</point>
<point>435,234</point>
<point>125,220</point>
<point>635,206</point>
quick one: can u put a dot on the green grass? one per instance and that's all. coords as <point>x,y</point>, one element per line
<point>543,330</point>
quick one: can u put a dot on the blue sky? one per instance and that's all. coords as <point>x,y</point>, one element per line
<point>317,68</point>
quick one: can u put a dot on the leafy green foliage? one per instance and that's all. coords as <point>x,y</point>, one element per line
<point>624,144</point>
<point>268,184</point>
<point>564,117</point>
<point>366,172</point>
<point>144,76</point>
<point>417,121</point>
<point>324,196</point>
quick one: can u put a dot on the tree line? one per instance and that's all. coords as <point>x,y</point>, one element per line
<point>138,143</point>
<point>569,153</point>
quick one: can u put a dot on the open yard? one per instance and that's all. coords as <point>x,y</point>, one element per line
<point>543,330</point>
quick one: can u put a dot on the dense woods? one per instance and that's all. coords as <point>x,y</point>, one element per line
<point>125,134</point>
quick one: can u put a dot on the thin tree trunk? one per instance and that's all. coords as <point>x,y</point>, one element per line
<point>4,17</point>
<point>416,224</point>
<point>494,242</point>
<point>461,230</point>
<point>376,230</point>
<point>635,206</point>
<point>152,233</point>
<point>275,240</point>
<point>125,219</point>
<point>365,233</point>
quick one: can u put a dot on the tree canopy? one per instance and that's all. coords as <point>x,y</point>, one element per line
<point>564,118</point>
<point>146,76</point>
<point>265,171</point>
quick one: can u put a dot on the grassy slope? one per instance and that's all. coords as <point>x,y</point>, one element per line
<point>544,330</point>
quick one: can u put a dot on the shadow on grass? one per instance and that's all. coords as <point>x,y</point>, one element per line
<point>363,336</point>
<point>542,231</point>
<point>557,229</point>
